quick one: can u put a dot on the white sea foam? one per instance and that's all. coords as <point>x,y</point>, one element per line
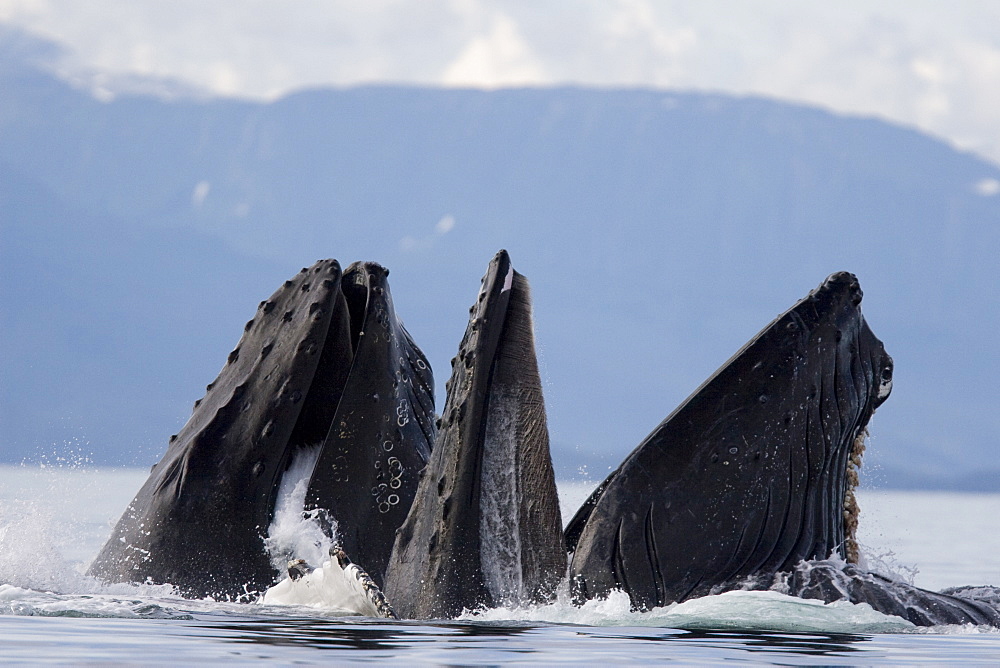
<point>329,588</point>
<point>53,518</point>
<point>743,610</point>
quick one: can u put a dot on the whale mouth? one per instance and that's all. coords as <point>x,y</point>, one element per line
<point>324,362</point>
<point>852,477</point>
<point>325,391</point>
<point>362,326</point>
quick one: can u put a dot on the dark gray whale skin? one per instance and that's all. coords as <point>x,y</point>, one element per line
<point>749,483</point>
<point>381,436</point>
<point>325,362</point>
<point>749,475</point>
<point>831,581</point>
<point>485,529</point>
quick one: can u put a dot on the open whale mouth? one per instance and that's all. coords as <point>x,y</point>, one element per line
<point>324,361</point>
<point>370,406</point>
<point>360,313</point>
<point>354,356</point>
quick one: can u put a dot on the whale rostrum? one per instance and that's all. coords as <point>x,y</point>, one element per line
<point>748,484</point>
<point>485,529</point>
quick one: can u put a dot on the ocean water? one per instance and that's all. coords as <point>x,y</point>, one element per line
<point>53,519</point>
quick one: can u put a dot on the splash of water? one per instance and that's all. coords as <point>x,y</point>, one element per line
<point>49,531</point>
<point>499,530</point>
<point>295,533</point>
<point>738,610</point>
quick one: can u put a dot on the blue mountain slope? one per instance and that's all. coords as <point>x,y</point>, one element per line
<point>660,230</point>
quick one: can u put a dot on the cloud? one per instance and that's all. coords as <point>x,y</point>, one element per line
<point>200,193</point>
<point>409,243</point>
<point>499,57</point>
<point>987,187</point>
<point>445,225</point>
<point>929,65</point>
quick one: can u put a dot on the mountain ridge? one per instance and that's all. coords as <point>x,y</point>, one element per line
<point>660,231</point>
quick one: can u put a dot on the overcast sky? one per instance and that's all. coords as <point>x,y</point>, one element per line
<point>930,64</point>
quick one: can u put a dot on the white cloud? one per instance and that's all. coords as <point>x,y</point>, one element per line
<point>445,225</point>
<point>499,57</point>
<point>987,187</point>
<point>200,193</point>
<point>409,243</point>
<point>928,64</point>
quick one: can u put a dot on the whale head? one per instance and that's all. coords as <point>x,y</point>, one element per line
<point>753,472</point>
<point>323,361</point>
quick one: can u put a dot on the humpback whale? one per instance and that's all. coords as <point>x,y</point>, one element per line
<point>747,484</point>
<point>485,527</point>
<point>747,475</point>
<point>324,361</point>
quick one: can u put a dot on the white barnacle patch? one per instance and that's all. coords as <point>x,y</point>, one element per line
<point>508,280</point>
<point>884,388</point>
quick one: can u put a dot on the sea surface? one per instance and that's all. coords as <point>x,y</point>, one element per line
<point>55,517</point>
